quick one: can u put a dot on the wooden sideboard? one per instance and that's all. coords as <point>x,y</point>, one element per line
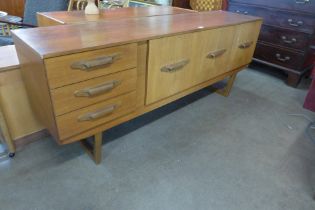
<point>113,71</point>
<point>287,38</point>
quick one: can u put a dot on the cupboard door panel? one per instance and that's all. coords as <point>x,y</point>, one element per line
<point>215,47</point>
<point>244,44</point>
<point>171,66</point>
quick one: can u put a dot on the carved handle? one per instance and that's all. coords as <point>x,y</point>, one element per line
<point>175,67</point>
<point>98,114</point>
<point>216,53</point>
<point>96,90</point>
<point>302,1</point>
<point>88,65</point>
<point>286,58</point>
<point>285,40</point>
<point>296,23</point>
<point>246,45</point>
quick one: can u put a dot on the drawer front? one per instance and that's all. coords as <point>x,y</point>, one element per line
<point>274,17</point>
<point>84,119</point>
<point>285,58</point>
<point>69,69</point>
<point>244,44</point>
<point>285,37</point>
<point>215,47</point>
<point>172,65</point>
<point>297,5</point>
<point>79,95</point>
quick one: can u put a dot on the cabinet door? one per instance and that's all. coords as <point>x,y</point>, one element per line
<point>244,44</point>
<point>171,66</point>
<point>215,48</point>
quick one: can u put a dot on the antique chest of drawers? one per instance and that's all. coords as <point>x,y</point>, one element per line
<point>287,37</point>
<point>114,71</point>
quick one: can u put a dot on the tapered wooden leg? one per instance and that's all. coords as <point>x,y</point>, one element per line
<point>227,89</point>
<point>94,150</point>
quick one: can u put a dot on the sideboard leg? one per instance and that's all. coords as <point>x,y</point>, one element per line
<point>94,150</point>
<point>227,89</point>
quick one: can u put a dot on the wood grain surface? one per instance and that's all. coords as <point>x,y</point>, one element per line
<point>75,17</point>
<point>66,39</point>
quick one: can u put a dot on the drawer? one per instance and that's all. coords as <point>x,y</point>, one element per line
<point>244,44</point>
<point>282,57</point>
<point>297,5</point>
<point>285,37</point>
<point>84,119</point>
<point>273,17</point>
<point>79,95</point>
<point>69,69</point>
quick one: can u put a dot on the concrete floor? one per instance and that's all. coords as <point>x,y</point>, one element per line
<point>203,152</point>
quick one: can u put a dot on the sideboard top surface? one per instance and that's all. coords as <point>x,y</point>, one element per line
<point>66,39</point>
<point>73,17</point>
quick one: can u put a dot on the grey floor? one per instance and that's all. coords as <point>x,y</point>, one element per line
<point>203,152</point>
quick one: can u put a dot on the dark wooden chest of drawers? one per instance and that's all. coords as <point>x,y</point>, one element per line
<point>287,38</point>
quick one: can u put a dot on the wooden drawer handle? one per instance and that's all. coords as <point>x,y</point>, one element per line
<point>296,23</point>
<point>285,40</point>
<point>175,67</point>
<point>286,58</point>
<point>302,1</point>
<point>216,53</point>
<point>88,65</point>
<point>245,45</point>
<point>96,90</point>
<point>98,114</point>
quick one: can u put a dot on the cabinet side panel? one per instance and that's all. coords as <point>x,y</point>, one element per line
<point>34,76</point>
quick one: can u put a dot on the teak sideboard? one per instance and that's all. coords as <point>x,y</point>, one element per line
<point>83,79</point>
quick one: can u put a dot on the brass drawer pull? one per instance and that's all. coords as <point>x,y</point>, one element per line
<point>246,45</point>
<point>285,40</point>
<point>96,90</point>
<point>286,58</point>
<point>98,114</point>
<point>88,65</point>
<point>296,23</point>
<point>302,1</point>
<point>243,12</point>
<point>216,53</point>
<point>175,67</point>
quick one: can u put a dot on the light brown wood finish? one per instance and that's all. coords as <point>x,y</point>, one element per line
<point>67,39</point>
<point>94,150</point>
<point>34,76</point>
<point>207,54</point>
<point>70,125</point>
<point>66,99</point>
<point>17,118</point>
<point>60,70</point>
<point>215,49</point>
<point>15,105</point>
<point>245,41</point>
<point>168,51</point>
<point>225,91</point>
<point>76,17</point>
<point>9,59</point>
<point>184,39</point>
<point>147,108</point>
